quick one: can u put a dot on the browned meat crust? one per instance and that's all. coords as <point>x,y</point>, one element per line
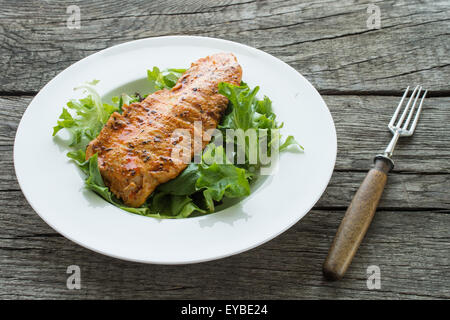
<point>135,148</point>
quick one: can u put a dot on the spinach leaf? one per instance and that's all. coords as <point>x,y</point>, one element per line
<point>184,184</point>
<point>215,177</point>
<point>161,205</point>
<point>219,180</point>
<point>173,206</point>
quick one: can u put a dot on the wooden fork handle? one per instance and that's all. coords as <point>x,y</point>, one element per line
<point>357,219</point>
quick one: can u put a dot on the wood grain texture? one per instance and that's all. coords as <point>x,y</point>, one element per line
<point>361,126</point>
<point>327,41</point>
<point>361,72</point>
<point>414,263</point>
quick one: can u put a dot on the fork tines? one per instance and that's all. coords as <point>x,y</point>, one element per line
<point>401,127</point>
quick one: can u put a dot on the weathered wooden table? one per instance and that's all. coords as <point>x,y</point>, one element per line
<point>360,71</point>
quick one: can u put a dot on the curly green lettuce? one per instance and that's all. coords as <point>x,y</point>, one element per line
<point>89,118</point>
<point>245,112</point>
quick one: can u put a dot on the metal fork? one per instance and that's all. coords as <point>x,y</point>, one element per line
<point>359,214</point>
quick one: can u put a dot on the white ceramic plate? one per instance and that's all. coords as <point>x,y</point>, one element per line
<point>54,186</point>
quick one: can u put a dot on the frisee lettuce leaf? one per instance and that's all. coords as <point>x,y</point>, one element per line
<point>90,117</point>
<point>290,141</point>
<point>245,112</point>
<point>124,99</point>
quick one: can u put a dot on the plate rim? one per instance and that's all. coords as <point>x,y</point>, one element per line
<point>192,261</point>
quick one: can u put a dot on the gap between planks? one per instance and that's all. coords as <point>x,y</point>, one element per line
<point>326,92</point>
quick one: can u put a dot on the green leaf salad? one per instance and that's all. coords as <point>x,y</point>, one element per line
<point>201,186</point>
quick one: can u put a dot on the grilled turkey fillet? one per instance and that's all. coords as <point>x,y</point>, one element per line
<point>135,148</point>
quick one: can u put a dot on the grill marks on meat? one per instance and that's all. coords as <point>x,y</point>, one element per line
<point>135,148</point>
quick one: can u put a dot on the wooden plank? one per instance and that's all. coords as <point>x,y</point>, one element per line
<point>11,111</point>
<point>403,191</point>
<point>327,41</point>
<point>413,259</point>
<point>361,125</point>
